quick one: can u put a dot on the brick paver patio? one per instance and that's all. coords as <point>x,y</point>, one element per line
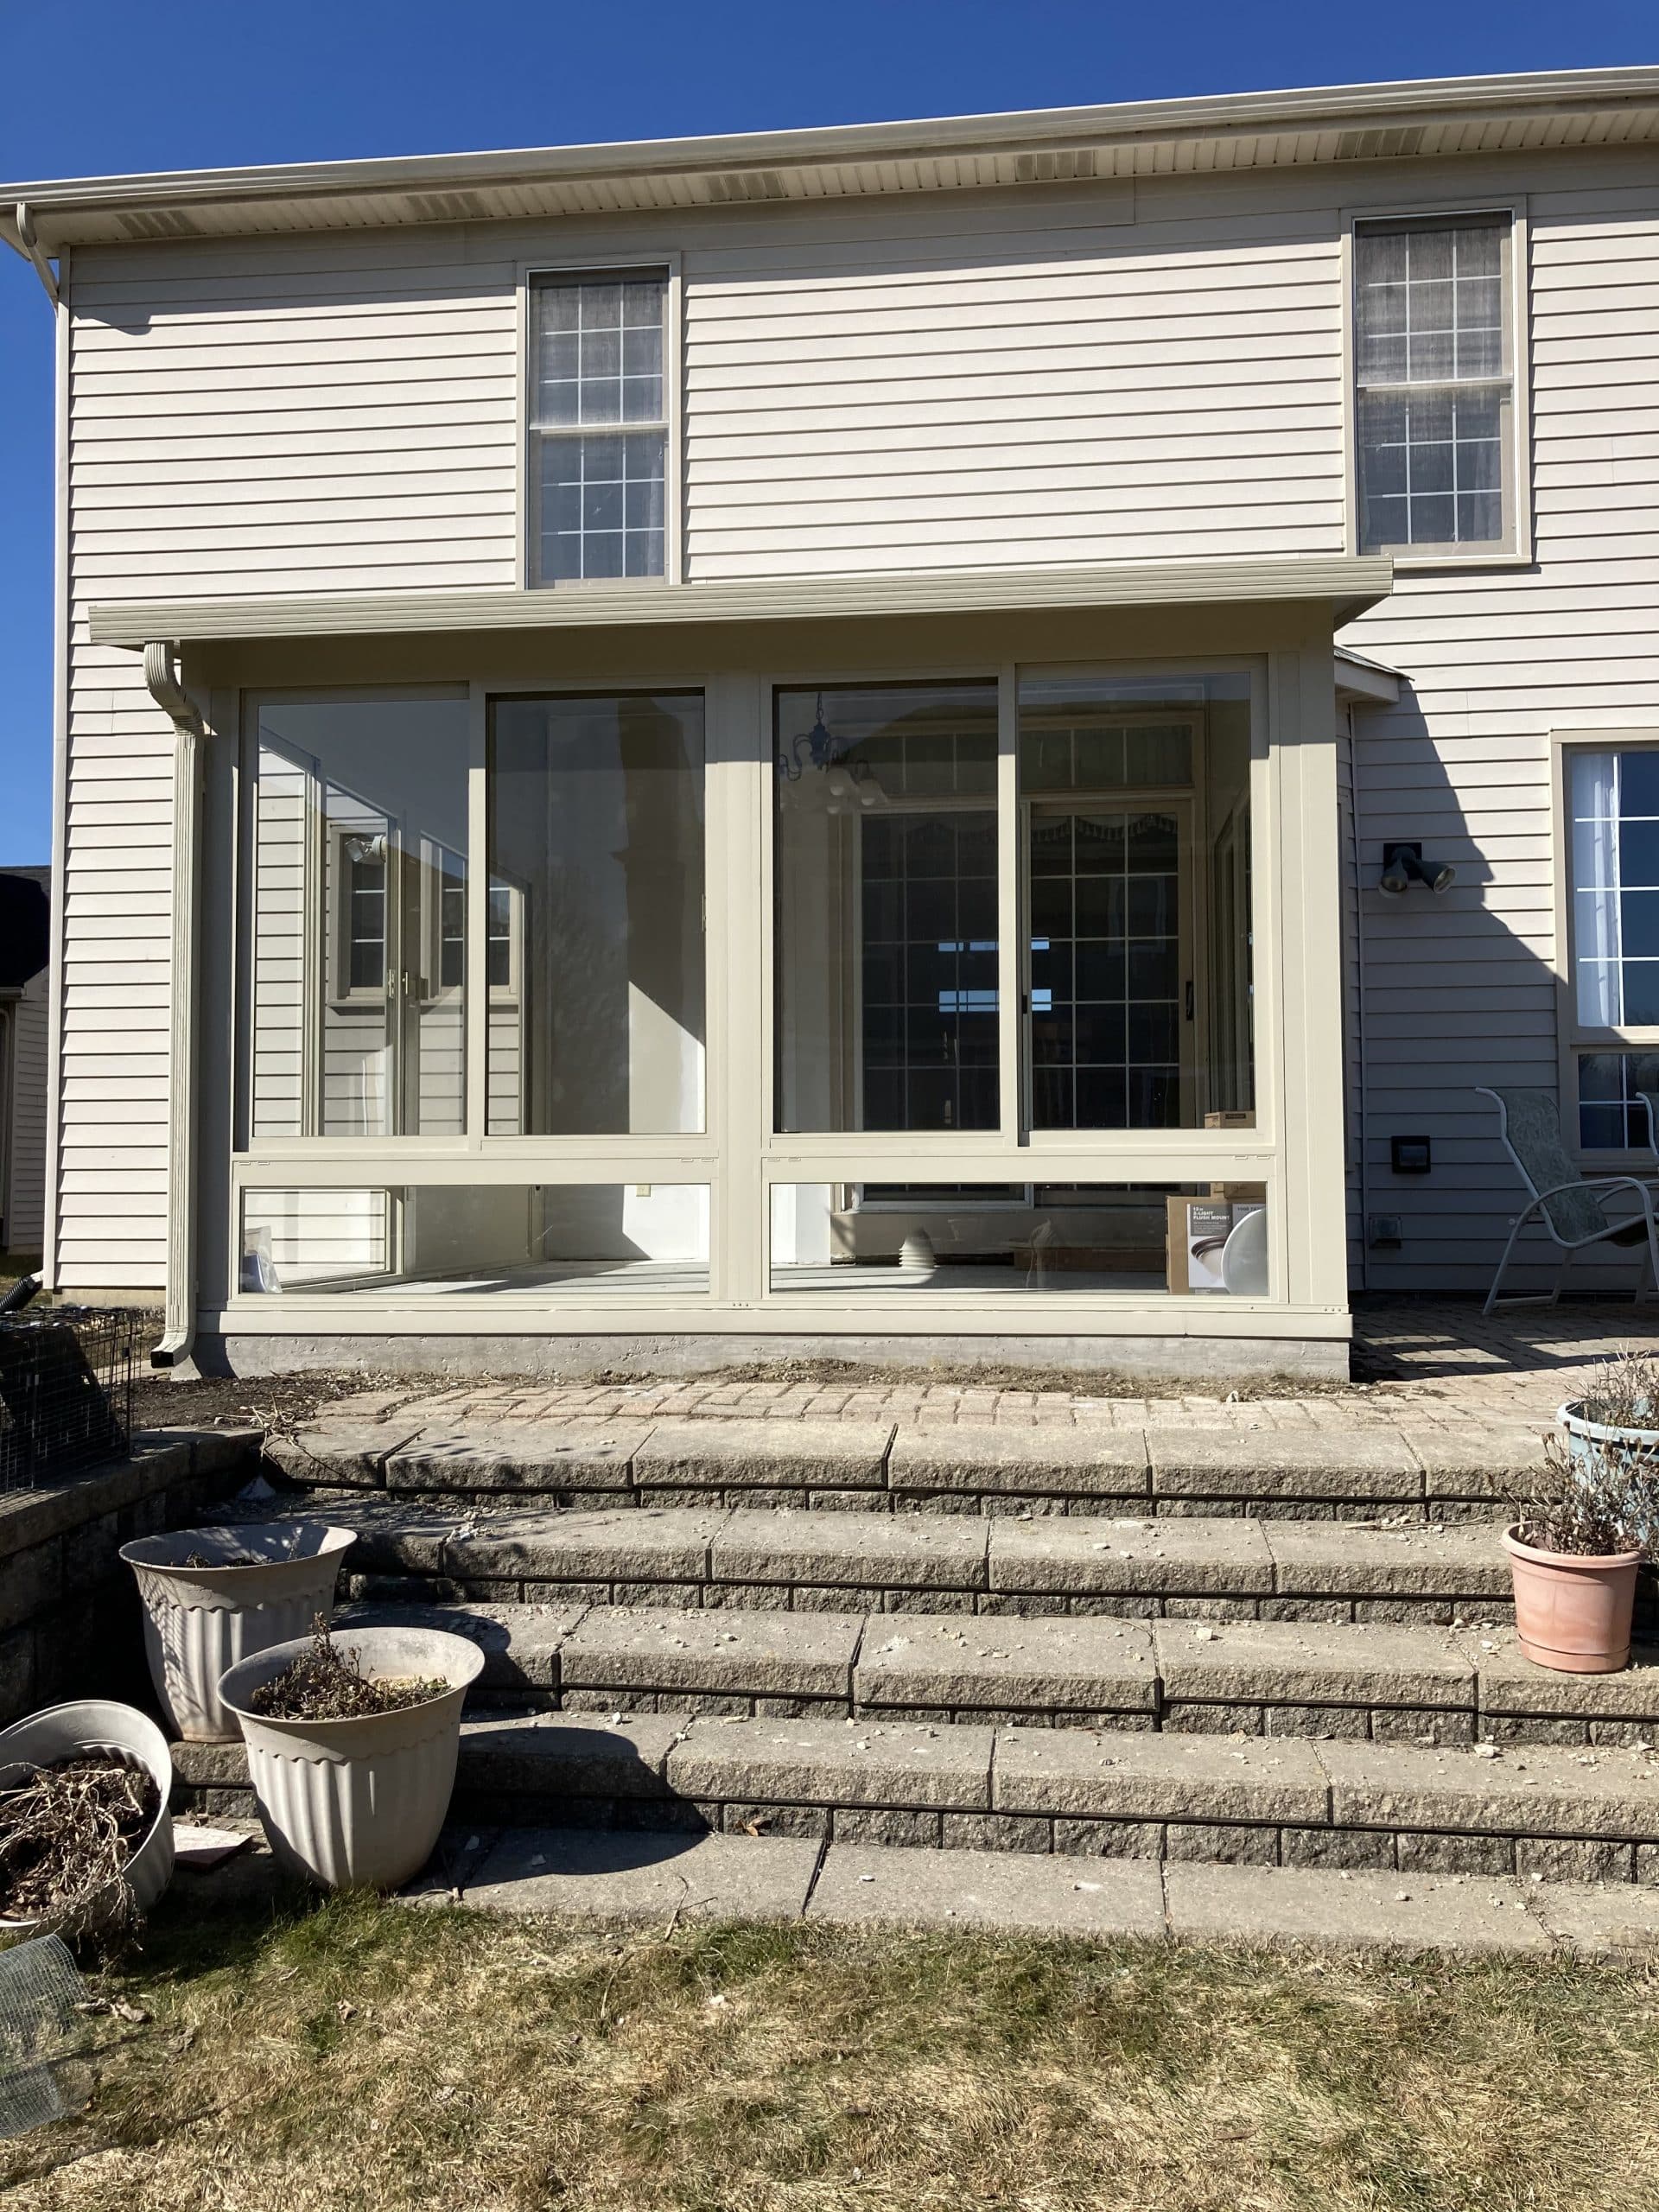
<point>1434,1362</point>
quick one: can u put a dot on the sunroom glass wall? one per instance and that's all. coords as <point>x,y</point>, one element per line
<point>1136,804</point>
<point>594,947</point>
<point>358,967</point>
<point>885,903</point>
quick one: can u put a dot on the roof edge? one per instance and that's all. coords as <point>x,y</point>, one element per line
<point>1220,114</point>
<point>1347,582</point>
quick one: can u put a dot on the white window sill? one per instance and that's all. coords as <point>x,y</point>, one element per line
<point>1412,564</point>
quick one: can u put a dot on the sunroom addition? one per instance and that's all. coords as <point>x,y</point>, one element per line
<point>945,977</point>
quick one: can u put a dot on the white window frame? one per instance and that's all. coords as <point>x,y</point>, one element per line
<point>1575,1038</point>
<point>341,990</point>
<point>1516,474</point>
<point>666,265</point>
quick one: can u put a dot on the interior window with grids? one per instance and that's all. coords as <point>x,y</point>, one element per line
<point>1435,375</point>
<point>598,426</point>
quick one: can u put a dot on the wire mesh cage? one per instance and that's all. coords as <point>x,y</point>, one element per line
<point>39,1993</point>
<point>65,1390</point>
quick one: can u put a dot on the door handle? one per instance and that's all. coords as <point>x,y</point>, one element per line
<point>1189,998</point>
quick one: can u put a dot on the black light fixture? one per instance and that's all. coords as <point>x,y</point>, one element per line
<point>818,748</point>
<point>1404,865</point>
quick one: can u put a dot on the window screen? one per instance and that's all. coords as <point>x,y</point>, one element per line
<point>1613,799</point>
<point>598,427</point>
<point>1434,383</point>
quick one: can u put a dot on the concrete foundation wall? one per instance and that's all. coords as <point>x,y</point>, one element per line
<point>1186,1359</point>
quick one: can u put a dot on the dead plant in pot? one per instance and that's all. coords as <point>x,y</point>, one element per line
<point>1575,1550</point>
<point>353,1739</point>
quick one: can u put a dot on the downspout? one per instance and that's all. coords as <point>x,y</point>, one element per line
<point>25,242</point>
<point>1361,1084</point>
<point>30,245</point>
<point>189,732</point>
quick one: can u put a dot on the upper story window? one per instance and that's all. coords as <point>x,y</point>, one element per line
<point>1434,362</point>
<point>598,426</point>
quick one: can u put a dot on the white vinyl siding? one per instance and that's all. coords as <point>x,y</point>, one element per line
<point>1023,378</point>
<point>1461,990</point>
<point>1131,394</point>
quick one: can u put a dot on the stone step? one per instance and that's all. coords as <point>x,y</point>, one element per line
<point>1275,1679</point>
<point>1222,1569</point>
<point>1410,1470</point>
<point>1529,1811</point>
<point>632,1875</point>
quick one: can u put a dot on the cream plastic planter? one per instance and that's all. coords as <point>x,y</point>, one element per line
<point>358,1803</point>
<point>94,1727</point>
<point>201,1620</point>
<point>1583,1436</point>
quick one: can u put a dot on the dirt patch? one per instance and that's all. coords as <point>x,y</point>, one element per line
<point>282,1404</point>
<point>1050,1382</point>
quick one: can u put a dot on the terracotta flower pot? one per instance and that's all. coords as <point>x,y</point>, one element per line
<point>1571,1612</point>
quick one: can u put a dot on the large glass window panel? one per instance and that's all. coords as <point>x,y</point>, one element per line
<point>874,1242</point>
<point>596,915</point>
<point>1137,1010</point>
<point>602,1240</point>
<point>359,917</point>
<point>886,860</point>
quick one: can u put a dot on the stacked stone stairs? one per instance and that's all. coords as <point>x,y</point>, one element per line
<point>1223,1645</point>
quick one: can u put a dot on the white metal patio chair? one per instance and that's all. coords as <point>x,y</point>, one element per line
<point>1567,1203</point>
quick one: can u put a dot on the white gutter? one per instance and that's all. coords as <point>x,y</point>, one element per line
<point>1543,97</point>
<point>188,734</point>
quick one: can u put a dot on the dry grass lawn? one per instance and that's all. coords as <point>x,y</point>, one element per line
<point>360,2057</point>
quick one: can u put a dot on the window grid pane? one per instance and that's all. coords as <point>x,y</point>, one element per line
<point>599,417</point>
<point>1432,385</point>
<point>1612,1112</point>
<point>1613,802</point>
<point>1105,969</point>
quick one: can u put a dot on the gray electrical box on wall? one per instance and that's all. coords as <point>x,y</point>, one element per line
<point>1382,1231</point>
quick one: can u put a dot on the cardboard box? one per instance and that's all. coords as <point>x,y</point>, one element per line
<point>1198,1229</point>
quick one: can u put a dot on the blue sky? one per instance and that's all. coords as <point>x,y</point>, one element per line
<point>99,86</point>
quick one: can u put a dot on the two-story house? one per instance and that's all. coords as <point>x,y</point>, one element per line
<point>673,751</point>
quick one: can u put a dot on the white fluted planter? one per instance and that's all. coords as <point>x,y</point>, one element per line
<point>200,1621</point>
<point>96,1728</point>
<point>359,1803</point>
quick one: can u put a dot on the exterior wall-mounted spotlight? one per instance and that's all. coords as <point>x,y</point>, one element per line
<point>1404,865</point>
